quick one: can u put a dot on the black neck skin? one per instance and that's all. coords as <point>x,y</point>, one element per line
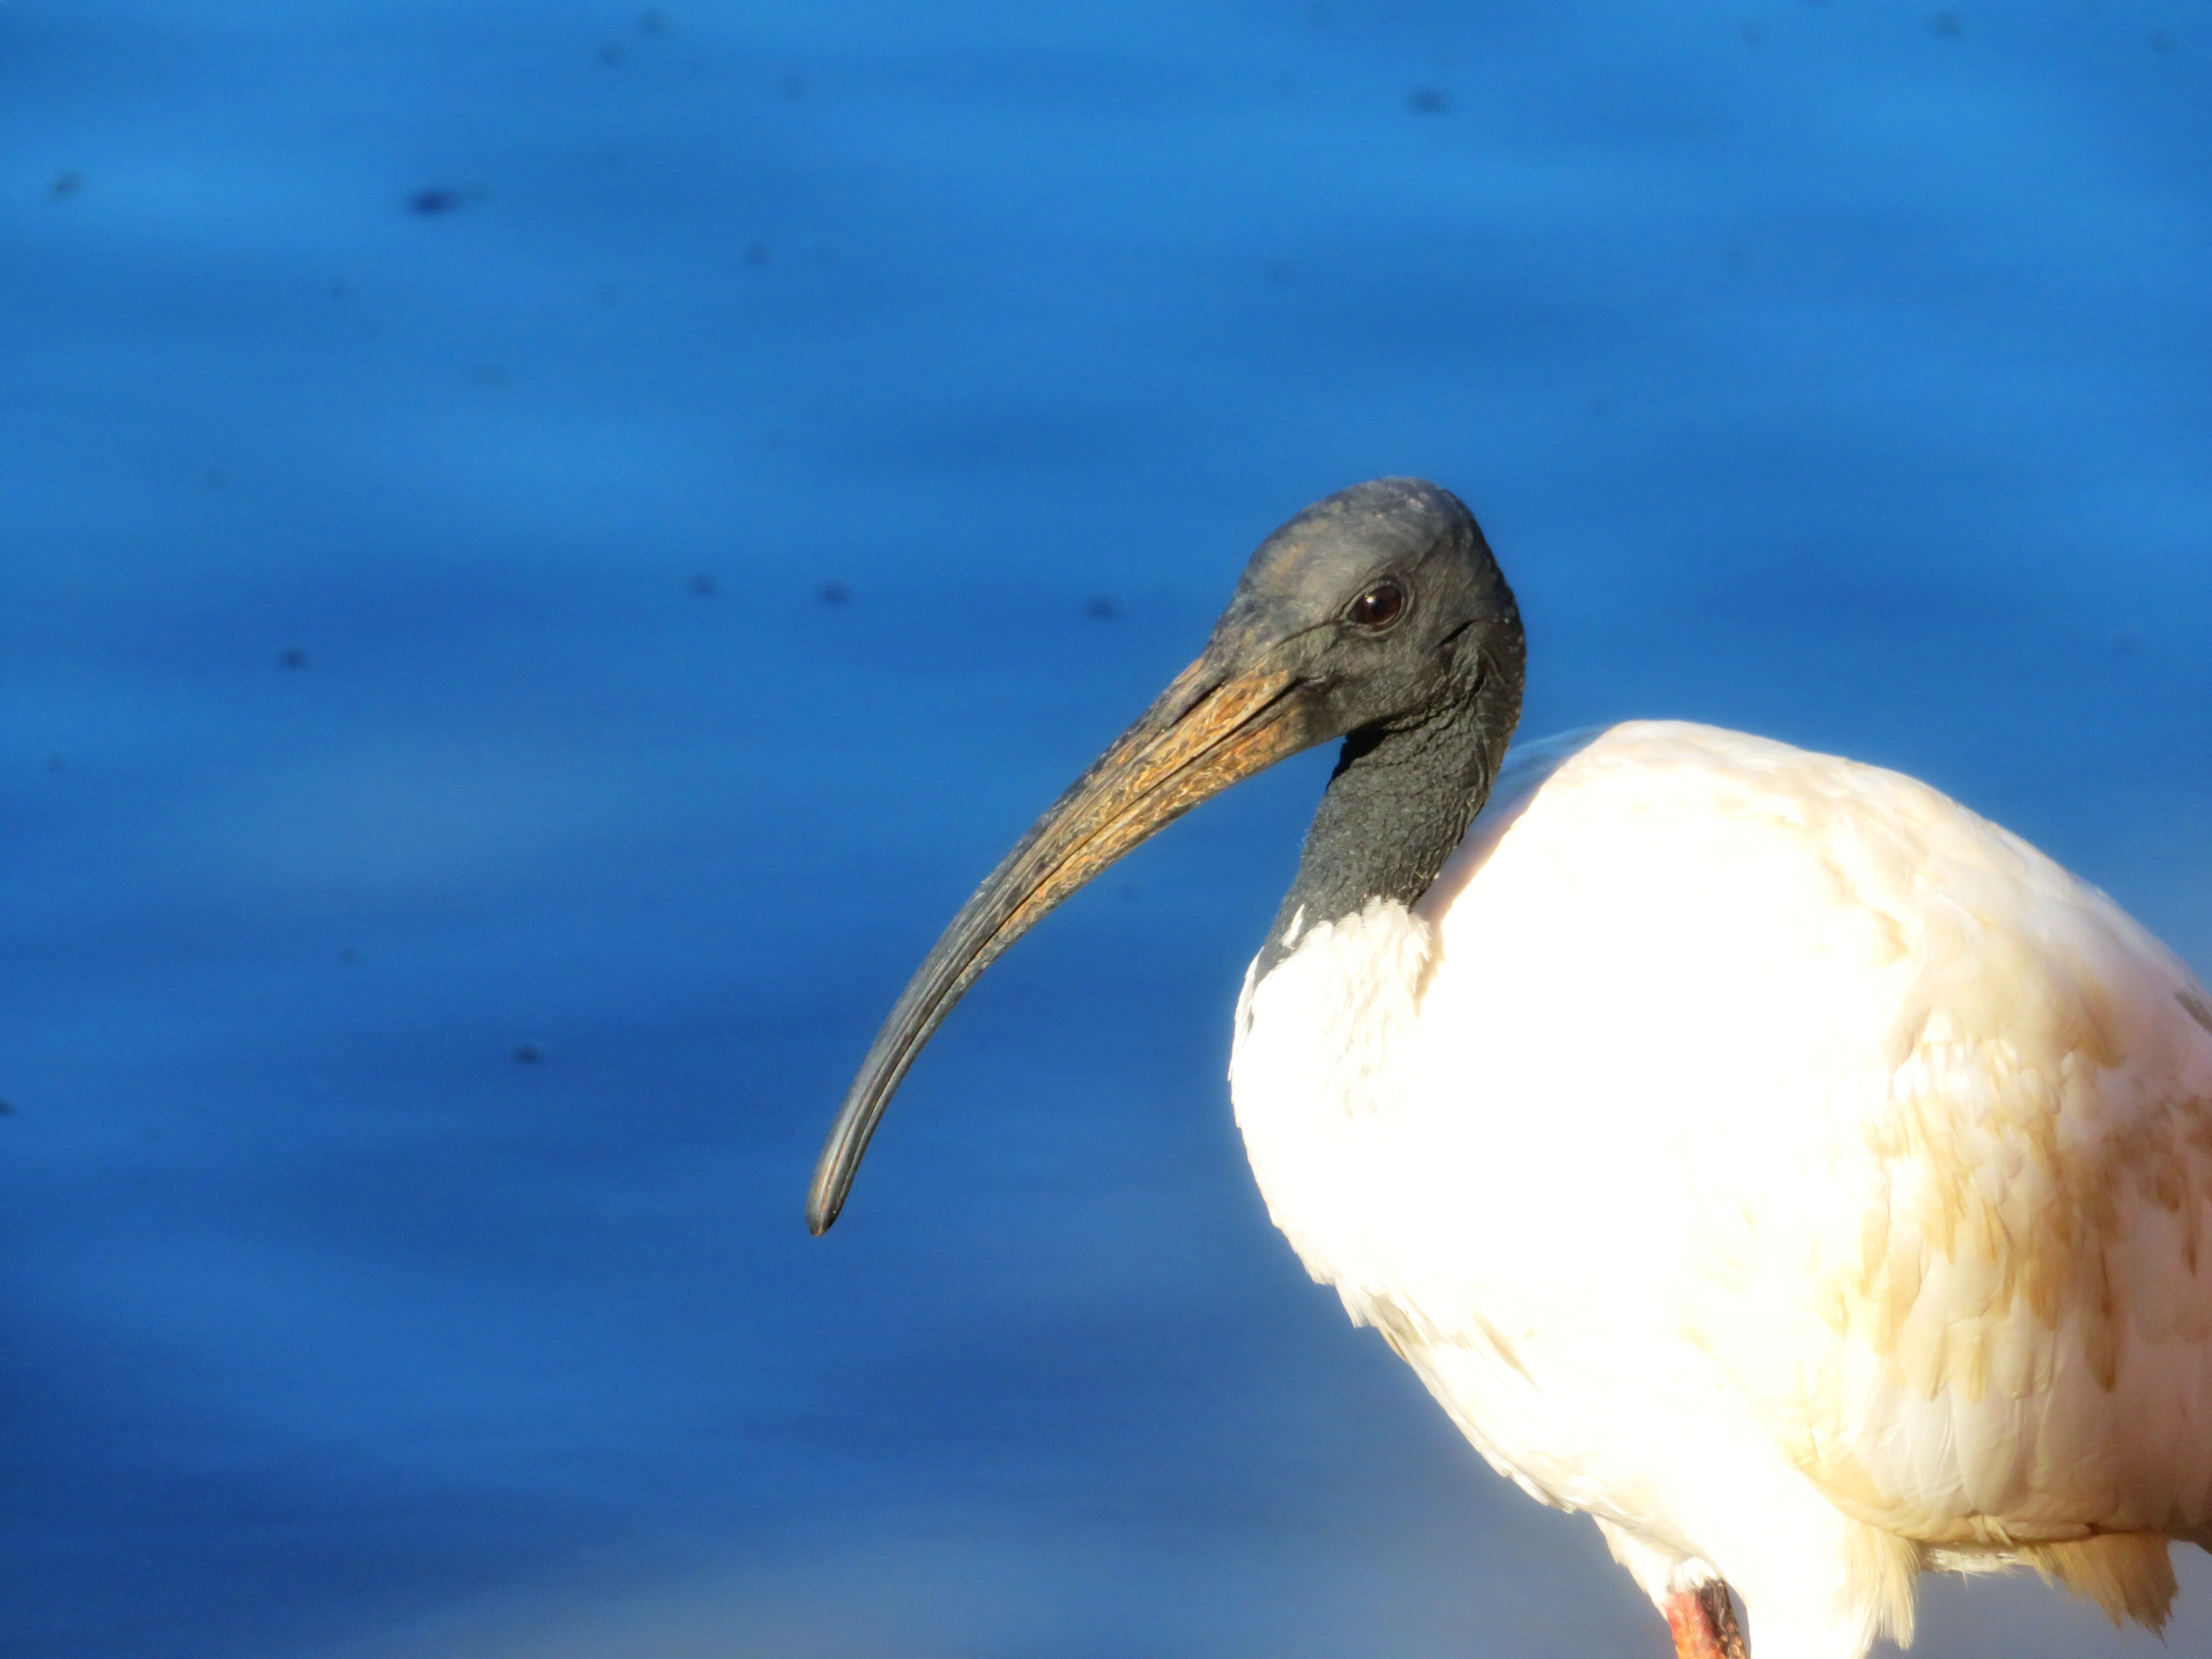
<point>1399,802</point>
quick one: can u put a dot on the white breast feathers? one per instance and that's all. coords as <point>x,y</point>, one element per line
<point>1719,1093</point>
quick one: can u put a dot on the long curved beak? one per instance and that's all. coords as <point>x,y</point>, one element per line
<point>1213,726</point>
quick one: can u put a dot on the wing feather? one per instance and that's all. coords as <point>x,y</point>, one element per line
<point>1957,1262</point>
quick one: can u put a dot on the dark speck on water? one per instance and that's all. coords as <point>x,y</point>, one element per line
<point>703,585</point>
<point>652,22</point>
<point>611,53</point>
<point>758,253</point>
<point>65,185</point>
<point>1947,24</point>
<point>1428,100</point>
<point>1101,608</point>
<point>528,1054</point>
<point>432,200</point>
<point>833,594</point>
<point>292,657</point>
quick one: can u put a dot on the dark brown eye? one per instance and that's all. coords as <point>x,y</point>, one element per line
<point>1379,606</point>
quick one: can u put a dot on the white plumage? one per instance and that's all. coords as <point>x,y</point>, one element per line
<point>1763,1154</point>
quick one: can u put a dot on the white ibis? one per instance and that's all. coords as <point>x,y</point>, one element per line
<point>1754,1150</point>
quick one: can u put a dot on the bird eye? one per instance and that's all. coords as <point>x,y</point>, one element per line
<point>1379,606</point>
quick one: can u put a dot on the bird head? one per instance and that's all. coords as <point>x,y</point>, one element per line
<point>1375,611</point>
<point>1381,605</point>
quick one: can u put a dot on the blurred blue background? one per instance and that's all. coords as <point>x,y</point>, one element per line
<point>546,546</point>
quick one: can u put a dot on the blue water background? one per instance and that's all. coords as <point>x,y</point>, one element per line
<point>543,549</point>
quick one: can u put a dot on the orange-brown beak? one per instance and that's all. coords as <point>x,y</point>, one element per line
<point>1212,728</point>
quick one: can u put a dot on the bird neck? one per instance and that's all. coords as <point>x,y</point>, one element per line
<point>1400,801</point>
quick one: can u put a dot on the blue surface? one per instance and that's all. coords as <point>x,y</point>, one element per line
<point>430,436</point>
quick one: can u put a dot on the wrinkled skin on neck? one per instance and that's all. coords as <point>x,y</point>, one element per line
<point>1403,795</point>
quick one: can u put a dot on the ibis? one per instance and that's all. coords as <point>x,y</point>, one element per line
<point>1754,1150</point>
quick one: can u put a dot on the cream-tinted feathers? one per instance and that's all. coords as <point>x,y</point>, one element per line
<point>1727,1116</point>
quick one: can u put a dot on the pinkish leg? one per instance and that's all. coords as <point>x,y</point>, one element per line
<point>1703,1624</point>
